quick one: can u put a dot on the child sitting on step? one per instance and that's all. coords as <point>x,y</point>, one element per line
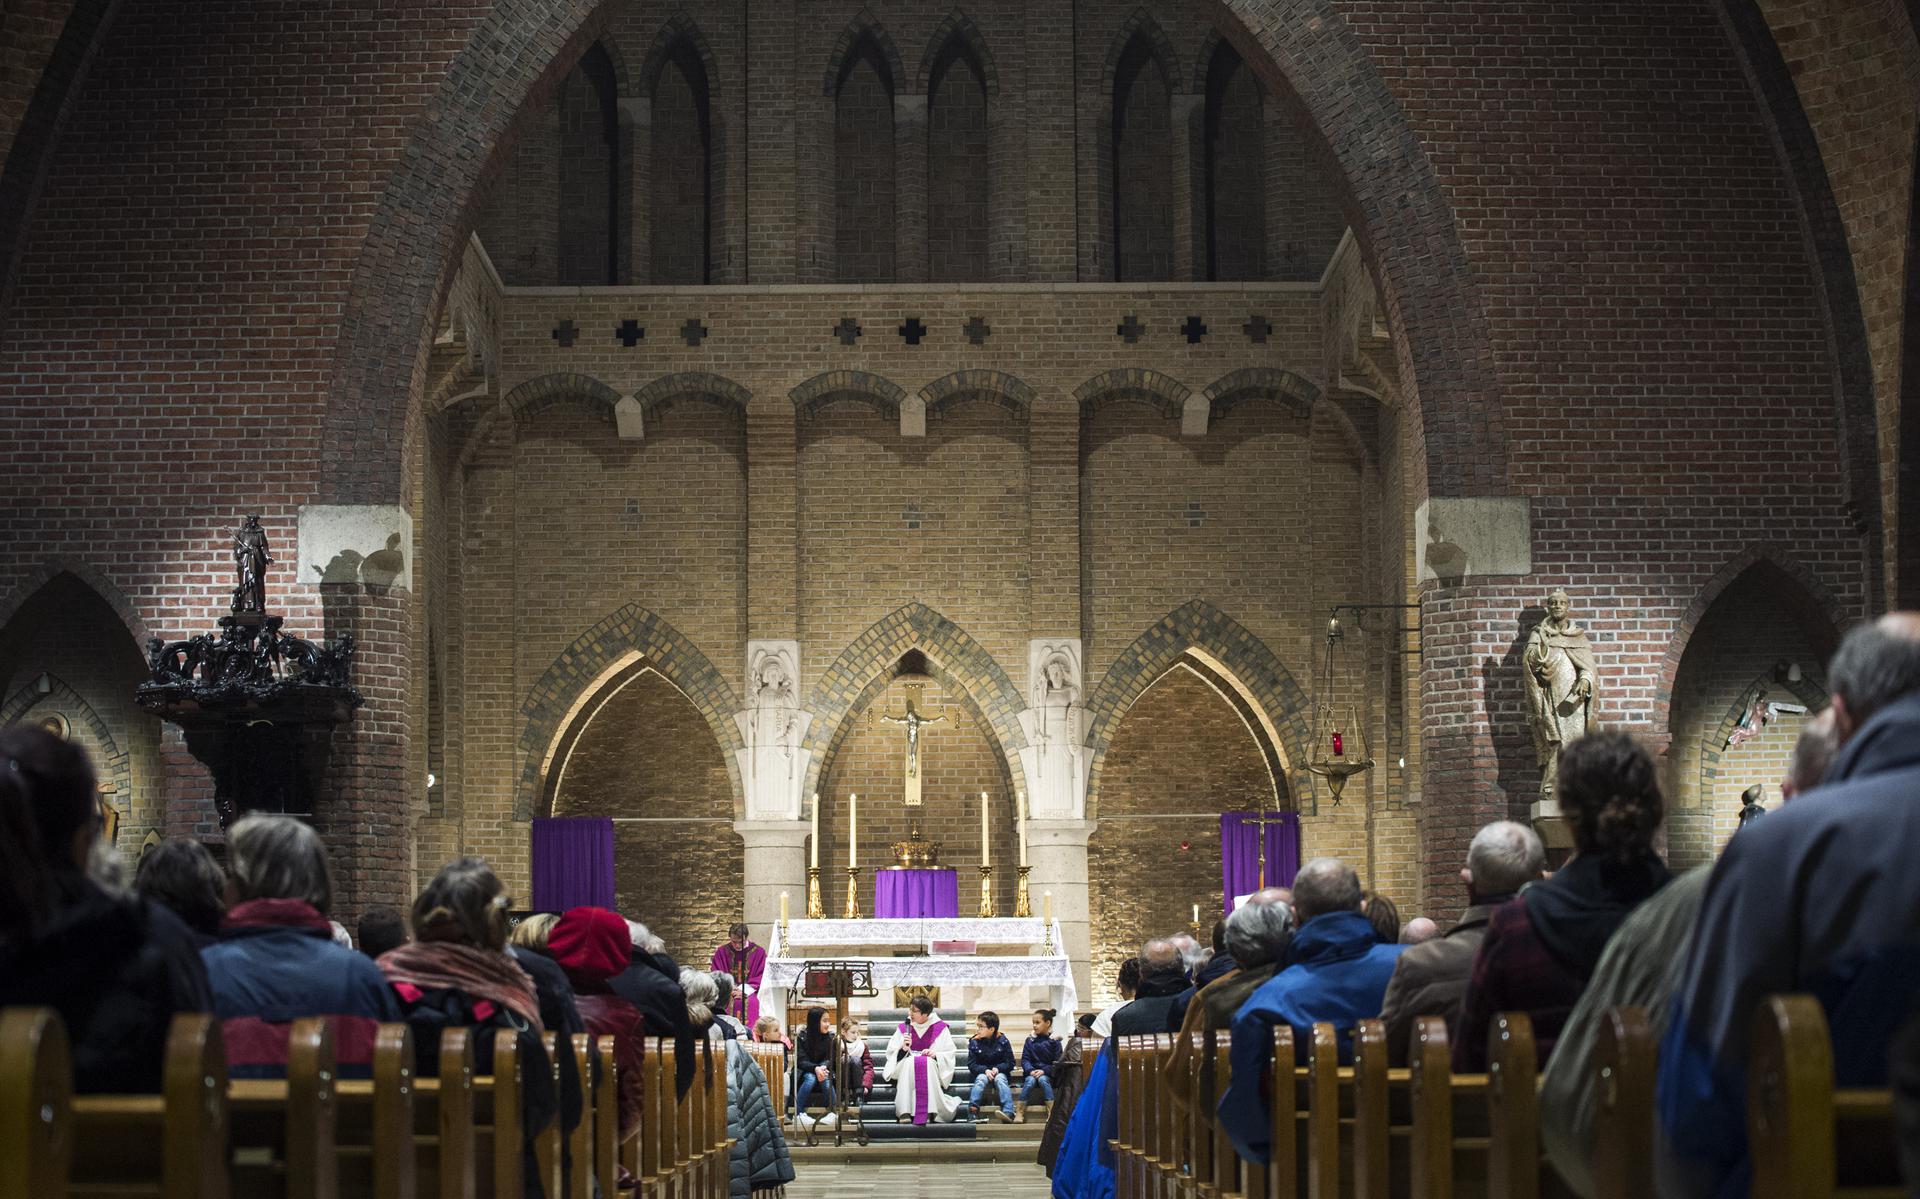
<point>1038,1057</point>
<point>990,1060</point>
<point>859,1060</point>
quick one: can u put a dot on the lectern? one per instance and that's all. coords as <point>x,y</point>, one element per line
<point>839,981</point>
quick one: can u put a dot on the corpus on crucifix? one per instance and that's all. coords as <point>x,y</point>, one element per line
<point>1261,820</point>
<point>913,720</point>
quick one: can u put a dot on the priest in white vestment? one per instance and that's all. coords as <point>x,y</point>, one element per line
<point>920,1065</point>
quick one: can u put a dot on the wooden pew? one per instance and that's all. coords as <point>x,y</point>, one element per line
<point>1513,1109</point>
<point>374,1123</point>
<point>1382,1117</point>
<point>443,1123</point>
<point>1215,1075</point>
<point>1624,1063</point>
<point>284,1129</point>
<point>1323,1113</point>
<point>546,1143</point>
<point>1278,1177</point>
<point>1449,1144</point>
<point>495,1134</point>
<point>606,1119</point>
<point>36,1099</point>
<point>580,1142</point>
<point>168,1146</point>
<point>1809,1140</point>
<point>1127,1151</point>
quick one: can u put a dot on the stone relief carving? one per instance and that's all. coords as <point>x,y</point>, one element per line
<point>1055,724</point>
<point>773,725</point>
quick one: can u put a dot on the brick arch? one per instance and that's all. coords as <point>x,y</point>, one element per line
<point>833,386</point>
<point>622,78</point>
<point>88,576</point>
<point>864,24</point>
<point>1133,385</point>
<point>1275,384</point>
<point>115,762</point>
<point>995,387</point>
<point>1140,23</point>
<point>668,390</point>
<point>538,394</point>
<point>626,640</point>
<point>957,26</point>
<point>1799,590</point>
<point>1232,653</point>
<point>675,29</point>
<point>865,667</point>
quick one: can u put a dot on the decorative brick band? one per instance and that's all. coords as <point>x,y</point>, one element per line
<point>538,394</point>
<point>1296,392</point>
<point>995,386</point>
<point>1133,384</point>
<point>630,638</point>
<point>956,25</point>
<point>831,387</point>
<point>667,390</point>
<point>1197,625</point>
<point>863,669</point>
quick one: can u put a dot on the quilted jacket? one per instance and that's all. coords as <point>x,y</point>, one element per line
<point>758,1159</point>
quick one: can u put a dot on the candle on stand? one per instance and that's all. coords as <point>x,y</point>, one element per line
<point>1196,913</point>
<point>986,855</point>
<point>783,907</point>
<point>814,840</point>
<point>1020,819</point>
<point>853,830</point>
<point>1046,907</point>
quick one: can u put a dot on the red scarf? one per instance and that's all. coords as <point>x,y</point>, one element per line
<point>281,913</point>
<point>482,974</point>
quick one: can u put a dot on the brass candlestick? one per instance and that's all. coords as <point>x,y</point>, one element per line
<point>816,909</point>
<point>853,894</point>
<point>986,892</point>
<point>1022,904</point>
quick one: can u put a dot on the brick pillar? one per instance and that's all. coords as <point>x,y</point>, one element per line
<point>1053,499</point>
<point>910,188</point>
<point>636,145</point>
<point>1057,853</point>
<point>772,533</point>
<point>365,798</point>
<point>1189,238</point>
<point>1047,113</point>
<point>772,201</point>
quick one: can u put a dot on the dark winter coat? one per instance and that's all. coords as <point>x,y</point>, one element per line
<point>758,1159</point>
<point>652,985</point>
<point>1040,1054</point>
<point>994,1053</point>
<point>1217,967</point>
<point>1151,1006</point>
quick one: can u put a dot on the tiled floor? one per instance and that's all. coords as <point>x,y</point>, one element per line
<point>934,1180</point>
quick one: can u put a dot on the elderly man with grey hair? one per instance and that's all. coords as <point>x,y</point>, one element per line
<point>1337,972</point>
<point>1163,976</point>
<point>1431,977</point>
<point>1255,940</point>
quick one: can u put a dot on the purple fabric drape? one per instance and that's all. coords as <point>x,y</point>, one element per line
<point>1240,853</point>
<point>572,864</point>
<point>915,894</point>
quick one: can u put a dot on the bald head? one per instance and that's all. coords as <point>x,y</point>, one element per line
<point>1876,665</point>
<point>1417,930</point>
<point>1325,885</point>
<point>1160,956</point>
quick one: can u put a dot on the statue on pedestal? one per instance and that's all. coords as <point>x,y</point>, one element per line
<point>1560,686</point>
<point>251,557</point>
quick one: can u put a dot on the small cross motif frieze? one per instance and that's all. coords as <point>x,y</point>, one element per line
<point>977,331</point>
<point>1130,330</point>
<point>912,331</point>
<point>1194,330</point>
<point>566,334</point>
<point>848,330</point>
<point>1257,329</point>
<point>693,332</point>
<point>629,333</point>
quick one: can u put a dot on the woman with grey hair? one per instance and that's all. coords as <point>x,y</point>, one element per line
<point>276,960</point>
<point>758,1159</point>
<point>729,1027</point>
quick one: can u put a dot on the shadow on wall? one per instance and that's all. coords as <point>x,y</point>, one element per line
<point>379,568</point>
<point>1505,680</point>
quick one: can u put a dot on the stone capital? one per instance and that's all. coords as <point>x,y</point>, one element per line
<point>1059,832</point>
<point>773,834</point>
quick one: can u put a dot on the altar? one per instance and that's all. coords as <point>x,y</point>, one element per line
<point>1020,953</point>
<point>916,894</point>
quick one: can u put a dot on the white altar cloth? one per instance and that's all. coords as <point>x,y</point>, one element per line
<point>846,939</point>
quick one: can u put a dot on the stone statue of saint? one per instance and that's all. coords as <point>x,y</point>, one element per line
<point>251,557</point>
<point>1560,686</point>
<point>913,720</point>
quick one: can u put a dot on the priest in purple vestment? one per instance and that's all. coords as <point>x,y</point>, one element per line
<point>747,963</point>
<point>919,1064</point>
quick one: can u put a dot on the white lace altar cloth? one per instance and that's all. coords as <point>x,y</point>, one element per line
<point>922,931</point>
<point>846,939</point>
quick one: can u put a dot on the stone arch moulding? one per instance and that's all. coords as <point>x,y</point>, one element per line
<point>92,579</point>
<point>860,671</point>
<point>1138,385</point>
<point>536,395</point>
<point>675,29</point>
<point>1229,650</point>
<point>995,387</point>
<point>957,25</point>
<point>116,764</point>
<point>881,394</point>
<point>621,644</point>
<point>864,24</point>
<point>1800,591</point>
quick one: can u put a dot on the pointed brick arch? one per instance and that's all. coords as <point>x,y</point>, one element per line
<point>114,763</point>
<point>680,27</point>
<point>1140,23</point>
<point>1234,655</point>
<point>957,26</point>
<point>610,652</point>
<point>865,667</point>
<point>88,576</point>
<point>864,24</point>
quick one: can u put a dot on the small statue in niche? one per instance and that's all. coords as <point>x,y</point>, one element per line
<point>1750,808</point>
<point>251,557</point>
<point>1560,686</point>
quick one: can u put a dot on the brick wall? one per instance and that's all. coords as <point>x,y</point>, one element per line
<point>1236,174</point>
<point>1142,182</point>
<point>864,168</point>
<point>958,173</point>
<point>681,174</point>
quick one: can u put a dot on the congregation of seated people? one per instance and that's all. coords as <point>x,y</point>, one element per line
<point>1818,897</point>
<point>255,945</point>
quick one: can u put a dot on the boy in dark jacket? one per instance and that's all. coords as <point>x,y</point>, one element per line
<point>990,1060</point>
<point>1038,1057</point>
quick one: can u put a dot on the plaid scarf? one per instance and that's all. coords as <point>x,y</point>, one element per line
<point>476,973</point>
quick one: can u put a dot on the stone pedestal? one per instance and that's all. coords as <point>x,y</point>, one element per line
<point>776,861</point>
<point>1057,854</point>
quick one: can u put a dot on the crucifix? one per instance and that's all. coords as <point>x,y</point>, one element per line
<point>1261,820</point>
<point>913,720</point>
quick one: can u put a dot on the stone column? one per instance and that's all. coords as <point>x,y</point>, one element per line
<point>1057,854</point>
<point>776,861</point>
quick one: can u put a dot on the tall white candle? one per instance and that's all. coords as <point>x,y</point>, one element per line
<point>1046,907</point>
<point>986,845</point>
<point>814,840</point>
<point>1020,818</point>
<point>783,907</point>
<point>853,829</point>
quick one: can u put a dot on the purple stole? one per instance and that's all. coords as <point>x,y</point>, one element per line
<point>919,1041</point>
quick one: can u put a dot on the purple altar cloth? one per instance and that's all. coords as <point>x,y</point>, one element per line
<point>915,894</point>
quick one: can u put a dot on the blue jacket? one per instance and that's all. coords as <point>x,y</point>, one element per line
<point>1820,897</point>
<point>1040,1053</point>
<point>1339,973</point>
<point>993,1054</point>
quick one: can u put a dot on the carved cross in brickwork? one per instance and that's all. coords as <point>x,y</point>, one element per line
<point>977,331</point>
<point>1194,330</point>
<point>629,333</point>
<point>848,330</point>
<point>565,334</point>
<point>693,332</point>
<point>912,331</point>
<point>1257,329</point>
<point>1130,329</point>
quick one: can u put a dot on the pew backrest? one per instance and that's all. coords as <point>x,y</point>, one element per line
<point>36,1097</point>
<point>1624,1059</point>
<point>1513,1094</point>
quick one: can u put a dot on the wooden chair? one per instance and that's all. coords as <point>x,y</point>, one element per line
<point>1513,1109</point>
<point>36,1097</point>
<point>606,1119</point>
<point>1808,1139</point>
<point>284,1129</point>
<point>167,1146</point>
<point>1624,1062</point>
<point>1448,1143</point>
<point>374,1122</point>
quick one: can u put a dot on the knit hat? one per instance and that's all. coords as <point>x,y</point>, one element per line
<point>591,943</point>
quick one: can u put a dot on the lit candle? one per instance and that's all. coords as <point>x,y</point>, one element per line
<point>986,854</point>
<point>1196,913</point>
<point>1020,816</point>
<point>814,843</point>
<point>853,829</point>
<point>783,907</point>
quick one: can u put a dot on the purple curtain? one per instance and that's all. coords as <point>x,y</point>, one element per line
<point>915,894</point>
<point>1240,853</point>
<point>572,864</point>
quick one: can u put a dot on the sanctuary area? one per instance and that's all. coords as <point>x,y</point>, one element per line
<point>834,596</point>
